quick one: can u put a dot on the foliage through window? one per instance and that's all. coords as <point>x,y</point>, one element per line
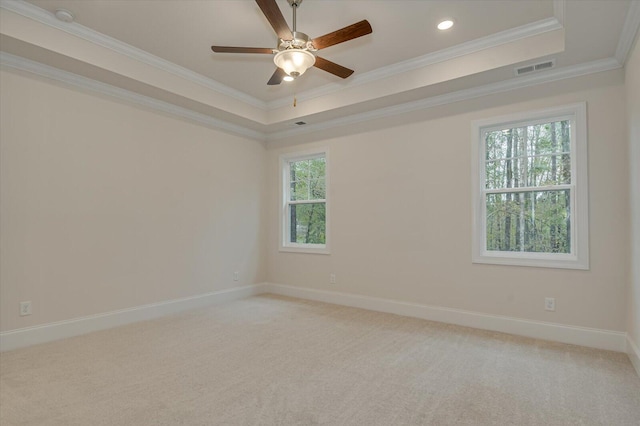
<point>528,194</point>
<point>528,191</point>
<point>305,201</point>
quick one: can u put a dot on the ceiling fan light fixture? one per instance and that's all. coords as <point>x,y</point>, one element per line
<point>294,61</point>
<point>294,53</point>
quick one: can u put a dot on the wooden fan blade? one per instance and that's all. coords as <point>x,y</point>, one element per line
<point>274,16</point>
<point>230,49</point>
<point>345,34</point>
<point>277,77</point>
<point>332,67</point>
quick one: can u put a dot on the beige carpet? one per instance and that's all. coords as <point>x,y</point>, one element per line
<point>278,361</point>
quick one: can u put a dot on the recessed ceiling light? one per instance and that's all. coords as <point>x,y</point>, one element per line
<point>445,25</point>
<point>64,15</point>
<point>287,78</point>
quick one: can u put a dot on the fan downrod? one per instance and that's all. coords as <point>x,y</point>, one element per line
<point>295,4</point>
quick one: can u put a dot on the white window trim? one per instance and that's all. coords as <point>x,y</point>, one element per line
<point>284,244</point>
<point>579,258</point>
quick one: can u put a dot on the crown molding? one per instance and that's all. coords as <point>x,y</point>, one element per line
<point>22,64</point>
<point>628,34</point>
<point>627,37</point>
<point>493,40</point>
<point>16,62</point>
<point>35,13</point>
<point>28,10</point>
<point>461,95</point>
<point>558,10</point>
<point>31,11</point>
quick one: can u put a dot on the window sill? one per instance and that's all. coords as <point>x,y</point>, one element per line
<point>309,250</point>
<point>532,260</point>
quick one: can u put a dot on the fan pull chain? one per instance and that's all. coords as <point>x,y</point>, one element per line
<point>295,97</point>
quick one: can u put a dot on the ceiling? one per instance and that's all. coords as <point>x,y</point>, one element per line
<point>159,51</point>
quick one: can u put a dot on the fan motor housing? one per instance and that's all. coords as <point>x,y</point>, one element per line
<point>299,41</point>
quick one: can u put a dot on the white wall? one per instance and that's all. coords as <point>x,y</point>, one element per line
<point>401,214</point>
<point>107,206</point>
<point>632,80</point>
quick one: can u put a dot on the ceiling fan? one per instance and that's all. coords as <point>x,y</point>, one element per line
<point>294,56</point>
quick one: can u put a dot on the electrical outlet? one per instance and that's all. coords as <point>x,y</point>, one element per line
<point>332,278</point>
<point>25,308</point>
<point>549,304</point>
<point>236,276</point>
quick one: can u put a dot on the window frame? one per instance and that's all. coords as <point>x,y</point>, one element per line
<point>285,244</point>
<point>578,258</point>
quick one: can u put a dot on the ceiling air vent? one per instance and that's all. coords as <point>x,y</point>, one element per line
<point>300,123</point>
<point>536,67</point>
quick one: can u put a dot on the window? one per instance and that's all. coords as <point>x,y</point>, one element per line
<point>530,189</point>
<point>304,205</point>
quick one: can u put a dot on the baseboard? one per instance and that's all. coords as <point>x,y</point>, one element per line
<point>590,337</point>
<point>28,336</point>
<point>595,338</point>
<point>634,354</point>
